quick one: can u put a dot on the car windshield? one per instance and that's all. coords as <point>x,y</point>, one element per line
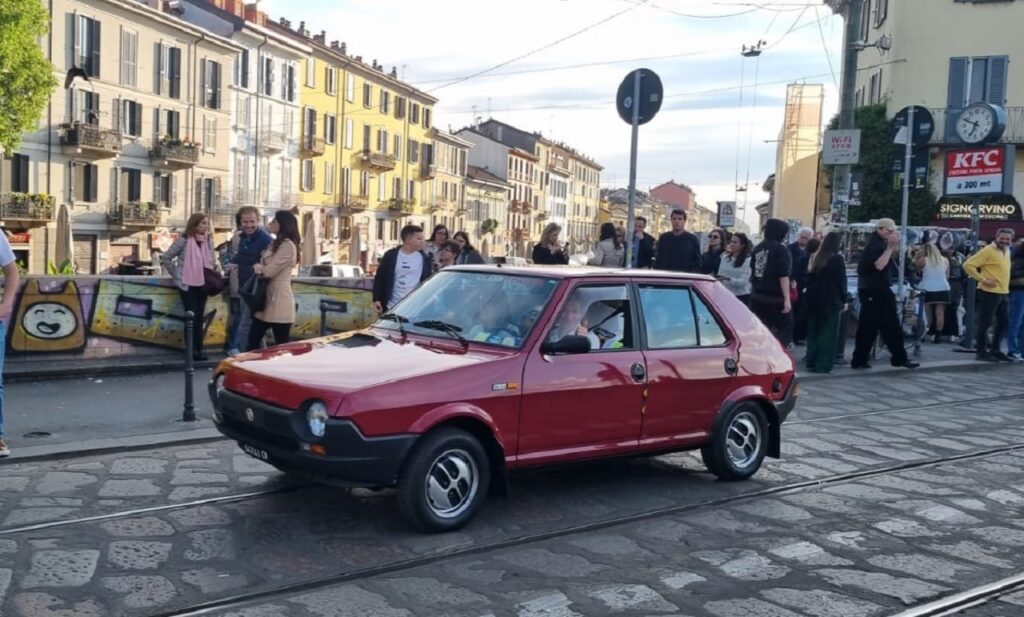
<point>483,307</point>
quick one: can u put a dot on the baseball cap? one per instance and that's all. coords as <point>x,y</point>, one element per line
<point>888,224</point>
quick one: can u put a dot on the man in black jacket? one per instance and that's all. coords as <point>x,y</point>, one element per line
<point>678,250</point>
<point>401,269</point>
<point>643,245</point>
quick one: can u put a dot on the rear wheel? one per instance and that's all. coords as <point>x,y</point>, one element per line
<point>737,450</point>
<point>444,481</point>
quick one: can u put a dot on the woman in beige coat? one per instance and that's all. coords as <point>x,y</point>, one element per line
<point>278,312</point>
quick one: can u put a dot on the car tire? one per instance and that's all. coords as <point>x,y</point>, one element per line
<point>738,447</point>
<point>444,481</point>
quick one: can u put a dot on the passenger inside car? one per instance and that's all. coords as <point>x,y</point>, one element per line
<point>495,326</point>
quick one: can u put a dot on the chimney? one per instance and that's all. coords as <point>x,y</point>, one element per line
<point>374,63</point>
<point>285,23</point>
<point>319,38</point>
<point>302,29</point>
<point>358,58</point>
<point>394,73</point>
<point>334,44</point>
<point>344,48</point>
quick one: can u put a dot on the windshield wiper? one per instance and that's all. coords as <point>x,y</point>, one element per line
<point>444,326</point>
<point>395,317</point>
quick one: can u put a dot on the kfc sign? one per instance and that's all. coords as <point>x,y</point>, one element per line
<point>980,171</point>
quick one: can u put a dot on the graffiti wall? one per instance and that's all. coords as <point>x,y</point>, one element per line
<point>101,317</point>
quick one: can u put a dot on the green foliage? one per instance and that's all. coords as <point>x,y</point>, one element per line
<point>64,269</point>
<point>488,226</point>
<point>26,77</point>
<point>880,196</point>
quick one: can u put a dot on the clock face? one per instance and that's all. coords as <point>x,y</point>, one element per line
<point>976,124</point>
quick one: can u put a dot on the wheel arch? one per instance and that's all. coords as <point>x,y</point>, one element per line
<point>756,396</point>
<point>479,424</point>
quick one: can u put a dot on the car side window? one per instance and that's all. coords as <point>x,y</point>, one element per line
<point>708,328</point>
<point>602,313</point>
<point>669,317</point>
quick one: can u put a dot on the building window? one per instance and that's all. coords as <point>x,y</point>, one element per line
<point>242,69</point>
<point>414,113</point>
<point>309,123</point>
<point>288,82</point>
<point>385,101</point>
<point>167,122</point>
<point>330,128</point>
<point>308,175</point>
<point>130,189</point>
<point>382,187</point>
<point>85,107</point>
<point>19,173</point>
<point>349,128</point>
<point>209,134</point>
<point>87,45</point>
<point>412,189</point>
<point>168,73</point>
<point>211,84</point>
<point>163,190</point>
<point>881,12</point>
<point>129,121</point>
<point>366,137</point>
<point>380,229</point>
<point>129,58</point>
<point>400,103</point>
<point>398,147</point>
<point>311,72</point>
<point>977,79</point>
<point>207,194</point>
<point>86,179</point>
<point>364,184</point>
<point>346,182</point>
<point>350,87</point>
<point>426,117</point>
<point>367,95</point>
<point>414,151</point>
<point>330,77</point>
<point>328,178</point>
<point>394,230</point>
<point>268,76</point>
<point>382,141</point>
<point>396,188</point>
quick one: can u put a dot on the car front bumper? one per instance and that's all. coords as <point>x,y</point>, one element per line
<point>788,402</point>
<point>282,438</point>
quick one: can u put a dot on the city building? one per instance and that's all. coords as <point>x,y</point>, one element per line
<point>797,154</point>
<point>945,74</point>
<point>133,148</point>
<point>486,200</point>
<point>585,199</point>
<point>445,192</point>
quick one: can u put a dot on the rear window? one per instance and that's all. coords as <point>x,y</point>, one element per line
<point>677,317</point>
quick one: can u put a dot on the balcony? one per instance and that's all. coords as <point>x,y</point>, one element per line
<point>222,218</point>
<point>174,153</point>
<point>27,207</point>
<point>91,140</point>
<point>378,160</point>
<point>945,126</point>
<point>427,172</point>
<point>134,214</point>
<point>401,207</point>
<point>242,197</point>
<point>353,205</point>
<point>273,141</point>
<point>311,147</point>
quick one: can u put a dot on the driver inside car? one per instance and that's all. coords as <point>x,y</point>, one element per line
<point>572,323</point>
<point>494,326</point>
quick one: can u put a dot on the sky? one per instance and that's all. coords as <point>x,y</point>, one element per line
<point>554,66</point>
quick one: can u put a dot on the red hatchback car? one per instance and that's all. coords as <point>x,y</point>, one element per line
<point>486,369</point>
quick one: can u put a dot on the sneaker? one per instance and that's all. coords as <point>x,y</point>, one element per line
<point>4,450</point>
<point>1001,357</point>
<point>908,364</point>
<point>233,352</point>
<point>985,357</point>
<point>1016,357</point>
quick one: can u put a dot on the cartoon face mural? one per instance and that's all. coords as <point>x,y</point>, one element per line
<point>48,320</point>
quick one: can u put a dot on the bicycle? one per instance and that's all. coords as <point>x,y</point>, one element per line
<point>912,323</point>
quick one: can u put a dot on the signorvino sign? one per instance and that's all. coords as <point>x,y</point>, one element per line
<point>1006,211</point>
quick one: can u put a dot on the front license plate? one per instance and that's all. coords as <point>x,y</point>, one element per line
<point>254,452</point>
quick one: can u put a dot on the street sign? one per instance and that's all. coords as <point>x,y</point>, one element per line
<point>919,165</point>
<point>980,171</point>
<point>923,129</point>
<point>856,184</point>
<point>841,147</point>
<point>727,214</point>
<point>651,95</point>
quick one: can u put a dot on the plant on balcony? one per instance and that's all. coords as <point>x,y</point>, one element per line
<point>41,205</point>
<point>167,140</point>
<point>66,268</point>
<point>489,226</point>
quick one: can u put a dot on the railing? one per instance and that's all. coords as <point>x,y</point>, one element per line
<point>134,213</point>
<point>242,197</point>
<point>311,146</point>
<point>222,218</point>
<point>945,126</point>
<point>354,205</point>
<point>27,207</point>
<point>91,137</point>
<point>273,141</point>
<point>379,160</point>
<point>175,152</point>
<point>428,171</point>
<point>403,207</point>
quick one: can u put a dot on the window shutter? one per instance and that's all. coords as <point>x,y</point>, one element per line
<point>137,119</point>
<point>997,73</point>
<point>216,84</point>
<point>216,192</point>
<point>202,83</point>
<point>95,40</point>
<point>92,173</point>
<point>76,37</point>
<point>175,73</point>
<point>157,185</point>
<point>244,61</point>
<point>116,121</point>
<point>173,197</point>
<point>156,123</point>
<point>955,96</point>
<point>124,58</point>
<point>197,201</point>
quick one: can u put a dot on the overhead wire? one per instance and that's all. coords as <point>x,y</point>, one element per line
<point>824,45</point>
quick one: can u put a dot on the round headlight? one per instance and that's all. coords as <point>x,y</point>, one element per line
<point>218,382</point>
<point>316,416</point>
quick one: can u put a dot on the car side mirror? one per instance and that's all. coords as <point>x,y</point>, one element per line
<point>566,345</point>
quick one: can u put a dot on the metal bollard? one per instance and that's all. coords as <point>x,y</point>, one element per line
<point>323,318</point>
<point>188,414</point>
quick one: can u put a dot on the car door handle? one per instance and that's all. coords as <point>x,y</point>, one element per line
<point>638,372</point>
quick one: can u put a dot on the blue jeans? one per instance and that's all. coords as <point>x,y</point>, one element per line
<point>1015,338</point>
<point>241,321</point>
<point>3,348</point>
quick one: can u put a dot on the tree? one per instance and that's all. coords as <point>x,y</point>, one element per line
<point>880,195</point>
<point>26,76</point>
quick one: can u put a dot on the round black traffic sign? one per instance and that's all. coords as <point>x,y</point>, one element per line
<point>651,94</point>
<point>924,124</point>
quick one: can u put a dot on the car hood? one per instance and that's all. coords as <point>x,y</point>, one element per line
<point>331,367</point>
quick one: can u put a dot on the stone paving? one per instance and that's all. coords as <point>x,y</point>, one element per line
<point>178,557</point>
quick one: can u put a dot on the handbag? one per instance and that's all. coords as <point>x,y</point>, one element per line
<point>213,282</point>
<point>254,293</point>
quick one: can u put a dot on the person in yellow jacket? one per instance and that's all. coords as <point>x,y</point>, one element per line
<point>990,267</point>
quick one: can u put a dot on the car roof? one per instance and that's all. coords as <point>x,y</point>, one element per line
<point>582,272</point>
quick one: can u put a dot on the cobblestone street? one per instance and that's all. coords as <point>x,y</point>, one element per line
<point>878,504</point>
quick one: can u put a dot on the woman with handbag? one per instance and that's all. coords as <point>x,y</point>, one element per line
<point>191,264</point>
<point>275,270</point>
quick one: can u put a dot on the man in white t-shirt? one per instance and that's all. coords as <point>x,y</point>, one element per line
<point>11,282</point>
<point>401,269</point>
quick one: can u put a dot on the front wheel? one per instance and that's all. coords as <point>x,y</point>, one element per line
<point>444,481</point>
<point>737,450</point>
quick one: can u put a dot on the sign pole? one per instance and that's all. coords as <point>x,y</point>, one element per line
<point>967,341</point>
<point>908,157</point>
<point>632,169</point>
